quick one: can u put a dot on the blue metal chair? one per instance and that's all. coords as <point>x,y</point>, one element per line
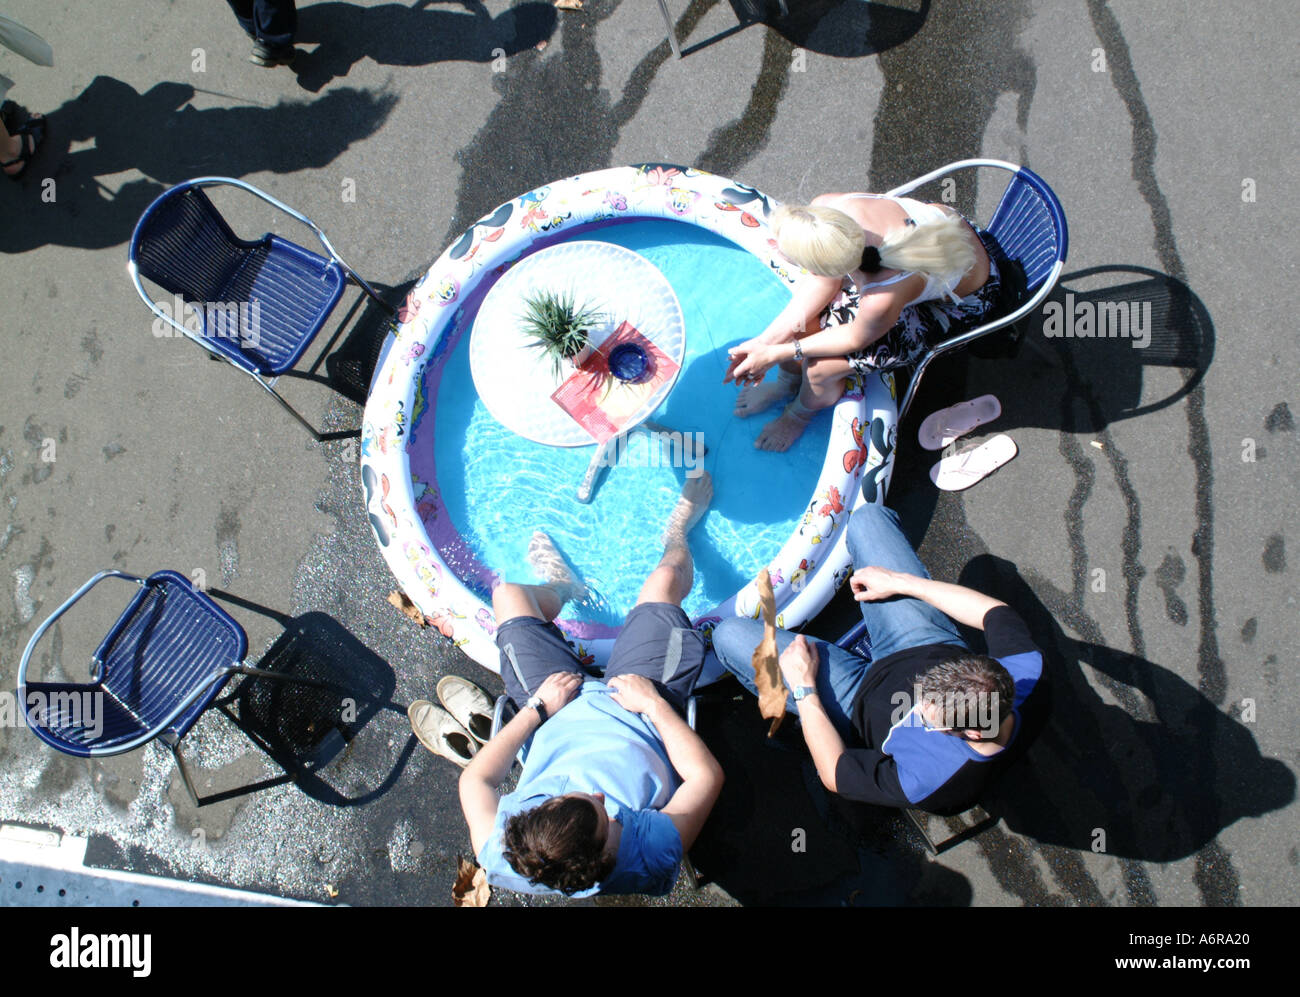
<point>182,244</point>
<point>1032,238</point>
<point>161,665</point>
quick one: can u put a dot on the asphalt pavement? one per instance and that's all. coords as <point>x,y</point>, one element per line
<point>1142,530</point>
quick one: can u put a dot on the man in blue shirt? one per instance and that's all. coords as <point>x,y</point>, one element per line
<point>615,785</point>
<point>924,723</point>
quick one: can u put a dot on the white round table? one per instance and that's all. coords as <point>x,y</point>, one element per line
<point>516,380</point>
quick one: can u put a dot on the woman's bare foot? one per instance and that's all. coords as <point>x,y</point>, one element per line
<point>781,433</point>
<point>697,493</point>
<point>756,398</point>
<point>551,566</point>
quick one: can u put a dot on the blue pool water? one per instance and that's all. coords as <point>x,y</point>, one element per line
<point>499,487</point>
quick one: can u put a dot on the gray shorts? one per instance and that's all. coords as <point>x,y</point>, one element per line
<point>657,641</point>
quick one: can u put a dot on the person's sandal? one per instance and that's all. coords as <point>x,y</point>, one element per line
<point>35,128</point>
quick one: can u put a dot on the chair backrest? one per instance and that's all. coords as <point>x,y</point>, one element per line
<point>1030,228</point>
<point>170,640</point>
<point>182,244</point>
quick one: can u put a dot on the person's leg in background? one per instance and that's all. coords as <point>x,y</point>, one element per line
<point>272,24</point>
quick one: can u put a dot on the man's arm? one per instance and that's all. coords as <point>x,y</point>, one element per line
<point>490,766</point>
<point>958,602</point>
<point>701,775</point>
<point>799,668</point>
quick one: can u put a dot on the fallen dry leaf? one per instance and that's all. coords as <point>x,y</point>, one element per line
<point>568,4</point>
<point>402,602</point>
<point>471,888</point>
<point>767,670</point>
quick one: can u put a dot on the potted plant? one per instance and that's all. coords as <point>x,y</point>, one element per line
<point>559,327</point>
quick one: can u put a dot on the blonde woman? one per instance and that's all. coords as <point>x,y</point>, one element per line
<point>874,259</point>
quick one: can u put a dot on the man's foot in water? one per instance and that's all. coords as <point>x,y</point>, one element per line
<point>551,566</point>
<point>697,493</point>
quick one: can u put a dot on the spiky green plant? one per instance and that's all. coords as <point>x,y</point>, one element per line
<point>557,325</point>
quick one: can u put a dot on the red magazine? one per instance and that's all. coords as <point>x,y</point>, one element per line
<point>600,403</point>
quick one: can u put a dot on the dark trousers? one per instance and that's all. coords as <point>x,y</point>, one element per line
<point>271,22</point>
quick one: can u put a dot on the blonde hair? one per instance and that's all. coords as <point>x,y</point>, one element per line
<point>829,243</point>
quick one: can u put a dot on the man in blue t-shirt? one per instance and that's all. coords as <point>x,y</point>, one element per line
<point>924,723</point>
<point>615,785</point>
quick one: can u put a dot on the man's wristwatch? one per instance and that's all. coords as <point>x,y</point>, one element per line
<point>536,703</point>
<point>804,691</point>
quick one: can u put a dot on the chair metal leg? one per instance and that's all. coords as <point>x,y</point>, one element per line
<point>981,820</point>
<point>316,435</point>
<point>672,32</point>
<point>370,291</point>
<point>183,770</point>
<point>912,385</point>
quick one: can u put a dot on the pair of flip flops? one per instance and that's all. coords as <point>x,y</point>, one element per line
<point>455,729</point>
<point>961,470</point>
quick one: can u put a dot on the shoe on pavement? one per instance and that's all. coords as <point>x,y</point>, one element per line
<point>438,731</point>
<point>470,706</point>
<point>264,55</point>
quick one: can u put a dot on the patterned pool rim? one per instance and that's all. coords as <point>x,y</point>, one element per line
<point>402,500</point>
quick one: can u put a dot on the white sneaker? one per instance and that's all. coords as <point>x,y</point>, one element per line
<point>438,731</point>
<point>470,705</point>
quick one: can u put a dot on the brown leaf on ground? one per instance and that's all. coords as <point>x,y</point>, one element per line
<point>568,4</point>
<point>471,888</point>
<point>402,602</point>
<point>767,670</point>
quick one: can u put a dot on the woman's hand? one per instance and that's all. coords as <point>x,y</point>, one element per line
<point>751,360</point>
<point>558,690</point>
<point>635,693</point>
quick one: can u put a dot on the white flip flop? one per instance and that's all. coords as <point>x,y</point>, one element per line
<point>973,464</point>
<point>940,428</point>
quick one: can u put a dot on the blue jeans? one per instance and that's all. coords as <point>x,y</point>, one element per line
<point>897,624</point>
<point>271,22</point>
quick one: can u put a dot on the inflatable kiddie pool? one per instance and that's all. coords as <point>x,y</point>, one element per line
<point>452,496</point>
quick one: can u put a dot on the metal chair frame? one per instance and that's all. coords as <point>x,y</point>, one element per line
<point>133,270</point>
<point>1037,293</point>
<point>168,730</point>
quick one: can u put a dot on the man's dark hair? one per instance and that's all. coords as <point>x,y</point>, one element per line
<point>974,691</point>
<point>555,844</point>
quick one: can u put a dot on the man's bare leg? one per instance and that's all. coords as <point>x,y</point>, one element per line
<point>540,601</point>
<point>673,577</point>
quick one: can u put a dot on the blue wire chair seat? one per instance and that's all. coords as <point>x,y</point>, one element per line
<point>260,303</point>
<point>164,661</point>
<point>1031,239</point>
